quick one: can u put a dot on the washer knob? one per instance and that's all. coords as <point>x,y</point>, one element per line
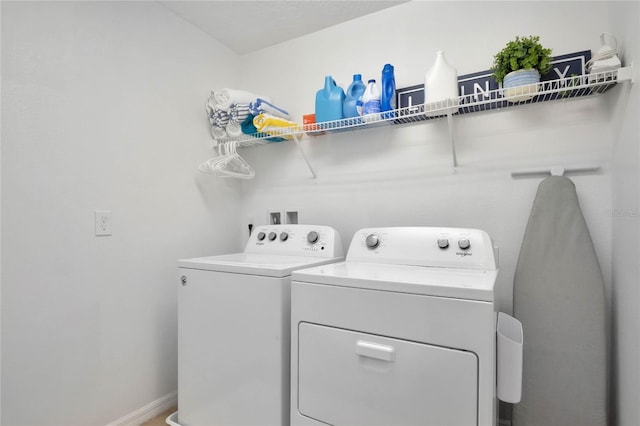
<point>272,236</point>
<point>443,243</point>
<point>372,241</point>
<point>464,244</point>
<point>313,237</point>
<point>284,236</point>
<point>261,236</point>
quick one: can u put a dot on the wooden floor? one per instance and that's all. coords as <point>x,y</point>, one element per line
<point>159,420</point>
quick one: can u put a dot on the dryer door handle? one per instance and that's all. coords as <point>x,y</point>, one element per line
<point>375,350</point>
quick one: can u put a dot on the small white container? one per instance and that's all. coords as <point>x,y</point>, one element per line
<point>441,87</point>
<point>370,105</point>
<point>509,358</point>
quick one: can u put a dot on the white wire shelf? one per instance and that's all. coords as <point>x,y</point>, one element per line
<point>560,89</point>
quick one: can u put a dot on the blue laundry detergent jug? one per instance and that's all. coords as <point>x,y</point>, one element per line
<point>354,92</point>
<point>329,101</point>
<point>388,96</point>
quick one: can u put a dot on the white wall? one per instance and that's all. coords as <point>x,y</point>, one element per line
<point>102,108</point>
<point>625,23</point>
<point>404,176</point>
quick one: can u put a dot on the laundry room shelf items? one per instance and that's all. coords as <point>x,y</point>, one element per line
<point>563,89</point>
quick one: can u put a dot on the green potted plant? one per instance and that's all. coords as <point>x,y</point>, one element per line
<point>519,65</point>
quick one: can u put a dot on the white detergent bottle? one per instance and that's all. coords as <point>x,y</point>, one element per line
<point>441,87</point>
<point>370,102</point>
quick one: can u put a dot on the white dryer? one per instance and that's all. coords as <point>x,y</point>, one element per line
<point>234,326</point>
<point>401,333</point>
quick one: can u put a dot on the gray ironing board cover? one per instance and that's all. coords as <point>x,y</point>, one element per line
<point>559,298</point>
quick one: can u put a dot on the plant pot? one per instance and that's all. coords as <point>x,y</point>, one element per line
<point>520,85</point>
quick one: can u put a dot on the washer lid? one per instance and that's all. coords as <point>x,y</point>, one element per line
<point>269,265</point>
<point>471,284</point>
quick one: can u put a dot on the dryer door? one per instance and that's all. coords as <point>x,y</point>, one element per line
<point>350,378</point>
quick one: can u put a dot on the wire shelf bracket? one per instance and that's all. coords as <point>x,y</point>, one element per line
<point>296,138</point>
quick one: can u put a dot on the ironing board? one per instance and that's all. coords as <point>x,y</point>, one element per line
<point>559,298</point>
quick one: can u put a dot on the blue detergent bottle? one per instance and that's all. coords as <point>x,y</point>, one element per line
<point>388,95</point>
<point>354,92</point>
<point>329,101</point>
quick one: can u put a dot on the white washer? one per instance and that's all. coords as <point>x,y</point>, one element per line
<point>234,326</point>
<point>401,333</point>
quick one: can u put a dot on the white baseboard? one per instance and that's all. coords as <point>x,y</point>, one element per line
<point>147,412</point>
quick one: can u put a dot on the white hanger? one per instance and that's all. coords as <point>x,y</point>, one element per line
<point>208,166</point>
<point>228,164</point>
<point>234,165</point>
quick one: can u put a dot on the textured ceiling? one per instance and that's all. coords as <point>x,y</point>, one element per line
<point>247,26</point>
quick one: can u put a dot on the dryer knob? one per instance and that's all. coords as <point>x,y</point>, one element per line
<point>261,236</point>
<point>443,243</point>
<point>272,236</point>
<point>313,237</point>
<point>464,244</point>
<point>284,236</point>
<point>372,241</point>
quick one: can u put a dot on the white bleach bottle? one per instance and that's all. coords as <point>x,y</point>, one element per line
<point>441,87</point>
<point>369,105</point>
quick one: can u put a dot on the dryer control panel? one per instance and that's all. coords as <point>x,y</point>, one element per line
<point>295,240</point>
<point>424,246</point>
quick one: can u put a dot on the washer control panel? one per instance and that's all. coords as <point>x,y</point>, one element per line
<point>296,240</point>
<point>424,246</point>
